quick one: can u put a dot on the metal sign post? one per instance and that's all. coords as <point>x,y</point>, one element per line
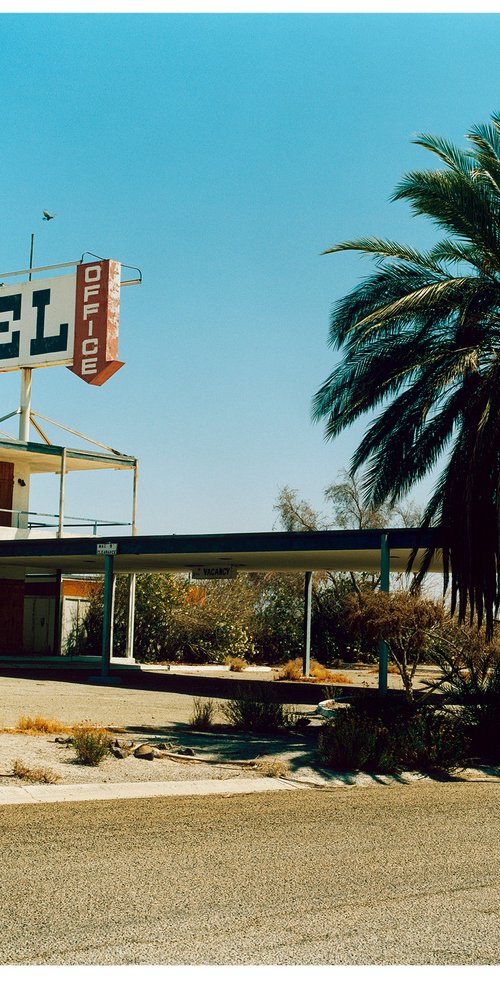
<point>383,651</point>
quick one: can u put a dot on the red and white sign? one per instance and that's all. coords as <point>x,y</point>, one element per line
<point>97,317</point>
<point>71,320</point>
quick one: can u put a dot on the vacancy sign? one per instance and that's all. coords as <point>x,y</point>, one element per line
<point>214,572</point>
<point>71,320</point>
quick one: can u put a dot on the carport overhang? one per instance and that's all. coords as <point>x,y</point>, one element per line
<point>379,551</point>
<point>334,551</point>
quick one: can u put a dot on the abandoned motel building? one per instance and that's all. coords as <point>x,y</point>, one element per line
<point>49,563</point>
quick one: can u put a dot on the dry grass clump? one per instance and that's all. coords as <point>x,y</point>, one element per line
<point>34,774</point>
<point>236,663</point>
<point>40,726</point>
<point>91,743</point>
<point>272,766</point>
<point>292,671</point>
<point>391,669</point>
<point>203,713</point>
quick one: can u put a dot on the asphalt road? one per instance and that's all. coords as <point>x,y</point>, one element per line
<point>405,875</point>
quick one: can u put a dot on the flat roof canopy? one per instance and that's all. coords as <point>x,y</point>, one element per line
<point>47,459</point>
<point>357,551</point>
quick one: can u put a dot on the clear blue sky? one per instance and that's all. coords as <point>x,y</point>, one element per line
<point>221,154</point>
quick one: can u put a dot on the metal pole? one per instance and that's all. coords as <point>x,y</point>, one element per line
<point>134,499</point>
<point>60,531</point>
<point>129,650</point>
<point>31,254</point>
<point>306,663</point>
<point>385,565</point>
<point>106,620</point>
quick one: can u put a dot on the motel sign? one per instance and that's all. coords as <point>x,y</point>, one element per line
<point>71,320</point>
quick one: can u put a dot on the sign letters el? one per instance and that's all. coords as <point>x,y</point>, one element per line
<point>71,320</point>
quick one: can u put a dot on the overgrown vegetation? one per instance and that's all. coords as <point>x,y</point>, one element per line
<point>410,626</point>
<point>471,680</point>
<point>379,736</point>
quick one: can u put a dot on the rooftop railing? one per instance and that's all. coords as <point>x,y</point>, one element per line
<point>29,520</point>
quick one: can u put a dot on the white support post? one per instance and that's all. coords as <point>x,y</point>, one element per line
<point>112,624</point>
<point>129,652</point>
<point>25,405</point>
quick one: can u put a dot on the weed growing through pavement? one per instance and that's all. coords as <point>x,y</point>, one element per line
<point>34,774</point>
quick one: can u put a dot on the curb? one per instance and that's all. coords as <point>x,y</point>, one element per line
<point>42,794</point>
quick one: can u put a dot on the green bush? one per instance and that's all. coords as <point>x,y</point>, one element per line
<point>91,744</point>
<point>257,714</point>
<point>436,740</point>
<point>471,669</point>
<point>354,741</point>
<point>381,736</point>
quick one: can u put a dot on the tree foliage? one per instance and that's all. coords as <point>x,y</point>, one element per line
<point>409,626</point>
<point>420,343</point>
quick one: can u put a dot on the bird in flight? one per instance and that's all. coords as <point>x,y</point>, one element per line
<point>47,217</point>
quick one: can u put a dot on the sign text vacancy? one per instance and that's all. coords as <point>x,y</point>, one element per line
<point>213,572</point>
<point>71,320</point>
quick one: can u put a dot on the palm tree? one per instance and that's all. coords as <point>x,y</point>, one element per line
<point>420,339</point>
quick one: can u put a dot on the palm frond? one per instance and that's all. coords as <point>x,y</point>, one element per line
<point>421,347</point>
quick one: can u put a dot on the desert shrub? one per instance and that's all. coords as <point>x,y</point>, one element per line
<point>409,625</point>
<point>175,620</point>
<point>383,735</point>
<point>91,744</point>
<point>354,741</point>
<point>257,714</point>
<point>203,713</point>
<point>272,766</point>
<point>435,740</point>
<point>471,680</point>
<point>34,774</point>
<point>331,637</point>
<point>291,671</point>
<point>236,663</point>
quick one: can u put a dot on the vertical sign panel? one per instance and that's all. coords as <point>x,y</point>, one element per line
<point>97,317</point>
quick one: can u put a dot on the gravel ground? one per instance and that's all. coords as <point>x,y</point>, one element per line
<point>42,751</point>
<point>146,716</point>
<point>293,761</point>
